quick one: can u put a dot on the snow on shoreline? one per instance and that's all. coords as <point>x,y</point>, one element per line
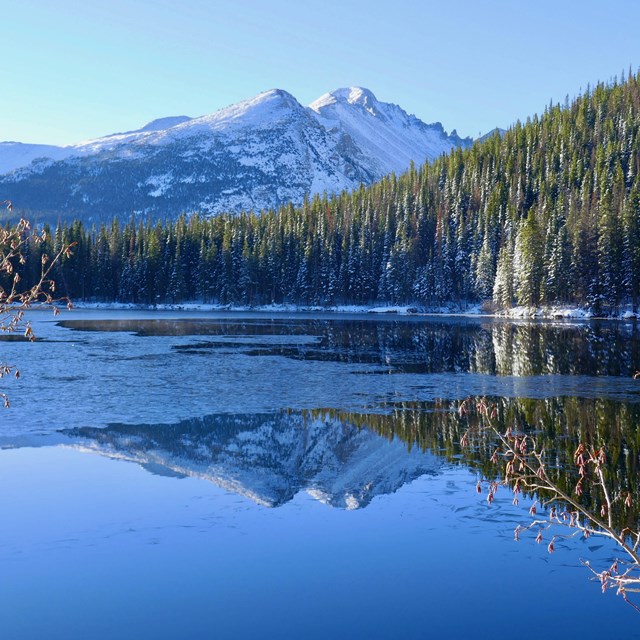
<point>516,313</point>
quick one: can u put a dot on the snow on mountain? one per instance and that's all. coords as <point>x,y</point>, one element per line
<point>16,155</point>
<point>268,458</point>
<point>20,154</point>
<point>389,136</point>
<point>115,140</point>
<point>257,154</point>
<point>164,123</point>
<point>263,109</point>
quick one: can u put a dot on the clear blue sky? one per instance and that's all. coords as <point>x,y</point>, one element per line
<point>75,69</point>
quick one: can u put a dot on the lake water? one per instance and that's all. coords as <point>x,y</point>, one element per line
<point>203,475</point>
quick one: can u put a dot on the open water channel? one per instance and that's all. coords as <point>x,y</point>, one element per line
<point>220,475</point>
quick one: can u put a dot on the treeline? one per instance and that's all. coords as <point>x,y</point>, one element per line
<point>548,213</point>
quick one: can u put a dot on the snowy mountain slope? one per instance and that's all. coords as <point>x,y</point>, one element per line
<point>107,143</point>
<point>268,458</point>
<point>389,136</point>
<point>257,154</point>
<point>14,155</point>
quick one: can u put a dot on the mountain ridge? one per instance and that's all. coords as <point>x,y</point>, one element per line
<point>257,154</point>
<point>390,136</point>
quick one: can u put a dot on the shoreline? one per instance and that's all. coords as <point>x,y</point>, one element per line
<point>472,310</point>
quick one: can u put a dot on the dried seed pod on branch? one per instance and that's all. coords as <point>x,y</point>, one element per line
<point>525,467</point>
<point>18,294</point>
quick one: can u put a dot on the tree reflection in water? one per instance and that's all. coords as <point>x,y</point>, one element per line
<point>576,458</point>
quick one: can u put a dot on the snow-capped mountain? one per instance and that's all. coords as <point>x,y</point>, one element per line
<point>257,154</point>
<point>268,458</point>
<point>388,136</point>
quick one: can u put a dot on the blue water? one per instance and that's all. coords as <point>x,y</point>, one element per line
<point>156,491</point>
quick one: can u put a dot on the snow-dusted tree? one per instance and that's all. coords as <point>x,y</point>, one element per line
<point>527,262</point>
<point>485,275</point>
<point>503,291</point>
<point>631,246</point>
<point>609,254</point>
<point>557,266</point>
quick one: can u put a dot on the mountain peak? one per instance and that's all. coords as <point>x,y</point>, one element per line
<point>346,95</point>
<point>263,107</point>
<point>384,132</point>
<point>271,96</point>
<point>355,95</point>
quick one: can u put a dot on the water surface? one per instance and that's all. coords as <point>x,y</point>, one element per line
<point>256,476</point>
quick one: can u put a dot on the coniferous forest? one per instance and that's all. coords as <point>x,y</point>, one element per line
<point>547,213</point>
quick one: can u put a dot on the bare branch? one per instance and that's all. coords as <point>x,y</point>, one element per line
<point>526,469</point>
<point>16,297</point>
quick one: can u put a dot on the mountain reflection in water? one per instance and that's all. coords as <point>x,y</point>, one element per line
<point>269,458</point>
<point>345,459</point>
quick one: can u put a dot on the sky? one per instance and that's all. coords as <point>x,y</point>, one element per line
<point>78,69</point>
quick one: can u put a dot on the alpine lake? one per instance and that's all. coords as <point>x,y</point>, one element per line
<point>251,475</point>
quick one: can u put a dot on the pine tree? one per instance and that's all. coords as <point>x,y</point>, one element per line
<point>503,289</point>
<point>527,262</point>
